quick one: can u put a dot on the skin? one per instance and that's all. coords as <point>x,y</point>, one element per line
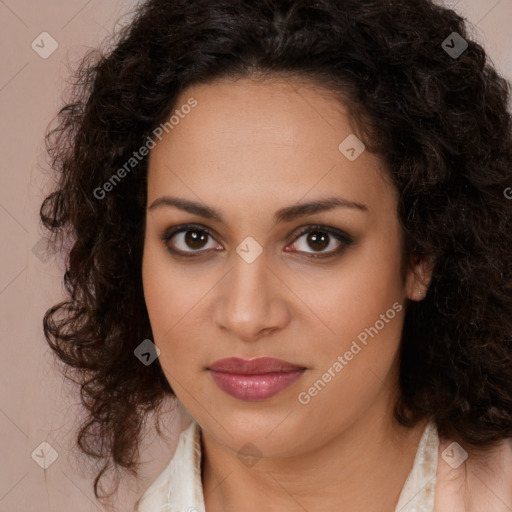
<point>248,148</point>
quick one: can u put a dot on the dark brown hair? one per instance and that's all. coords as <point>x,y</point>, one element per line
<point>440,123</point>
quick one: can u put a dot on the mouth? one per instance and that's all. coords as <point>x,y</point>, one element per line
<point>254,379</point>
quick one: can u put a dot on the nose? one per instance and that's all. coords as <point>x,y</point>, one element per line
<point>251,301</point>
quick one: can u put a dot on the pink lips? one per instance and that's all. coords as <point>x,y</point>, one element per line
<point>254,379</point>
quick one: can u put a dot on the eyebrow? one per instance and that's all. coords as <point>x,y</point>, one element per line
<point>285,214</point>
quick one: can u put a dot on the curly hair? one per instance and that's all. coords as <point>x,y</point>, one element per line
<point>440,123</point>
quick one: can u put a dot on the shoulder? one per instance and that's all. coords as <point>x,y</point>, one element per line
<point>470,480</point>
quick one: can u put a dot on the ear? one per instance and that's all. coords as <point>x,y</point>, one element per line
<point>418,277</point>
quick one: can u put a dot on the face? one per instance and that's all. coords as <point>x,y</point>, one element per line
<point>236,266</point>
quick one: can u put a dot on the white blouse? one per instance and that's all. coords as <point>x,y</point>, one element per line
<point>179,487</point>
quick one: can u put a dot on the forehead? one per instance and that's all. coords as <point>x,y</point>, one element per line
<point>259,141</point>
<point>276,112</point>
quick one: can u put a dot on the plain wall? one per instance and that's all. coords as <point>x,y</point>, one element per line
<point>36,405</point>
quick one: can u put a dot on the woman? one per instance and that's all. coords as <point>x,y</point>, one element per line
<point>291,216</point>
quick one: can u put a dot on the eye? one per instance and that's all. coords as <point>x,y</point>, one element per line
<point>188,239</point>
<point>320,238</point>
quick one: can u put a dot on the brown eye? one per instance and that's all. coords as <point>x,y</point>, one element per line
<point>314,241</point>
<point>318,239</point>
<point>195,239</point>
<point>189,239</point>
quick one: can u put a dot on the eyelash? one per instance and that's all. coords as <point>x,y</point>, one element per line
<point>338,235</point>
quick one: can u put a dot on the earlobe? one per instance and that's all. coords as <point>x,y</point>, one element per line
<point>419,277</point>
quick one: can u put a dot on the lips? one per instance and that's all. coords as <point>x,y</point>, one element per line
<point>256,366</point>
<point>254,379</point>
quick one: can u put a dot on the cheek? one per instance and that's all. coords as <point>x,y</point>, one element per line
<point>363,307</point>
<point>163,306</point>
<point>165,293</point>
<point>157,293</point>
<point>364,286</point>
<point>175,300</point>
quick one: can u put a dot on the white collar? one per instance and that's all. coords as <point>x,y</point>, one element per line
<point>179,487</point>
<point>418,491</point>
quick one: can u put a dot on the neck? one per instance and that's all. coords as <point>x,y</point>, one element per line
<point>364,467</point>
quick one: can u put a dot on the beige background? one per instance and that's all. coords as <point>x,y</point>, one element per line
<point>35,405</point>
